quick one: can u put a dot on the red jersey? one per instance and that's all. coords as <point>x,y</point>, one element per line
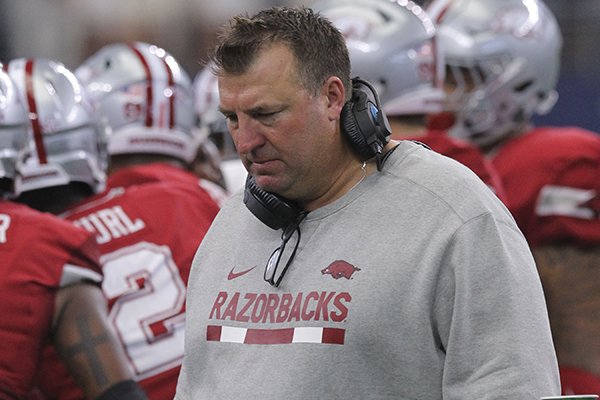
<point>552,179</point>
<point>148,235</point>
<point>40,253</point>
<point>577,381</point>
<point>468,155</point>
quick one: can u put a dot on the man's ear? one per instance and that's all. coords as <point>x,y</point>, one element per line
<point>334,90</point>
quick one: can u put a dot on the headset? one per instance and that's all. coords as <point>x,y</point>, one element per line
<point>365,126</point>
<point>364,123</point>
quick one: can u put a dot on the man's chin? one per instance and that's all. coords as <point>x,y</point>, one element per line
<point>270,183</point>
<point>267,182</point>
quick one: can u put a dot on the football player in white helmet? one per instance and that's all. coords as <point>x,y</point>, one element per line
<point>145,96</point>
<point>50,273</point>
<point>66,159</point>
<point>392,44</point>
<point>212,124</point>
<point>503,61</point>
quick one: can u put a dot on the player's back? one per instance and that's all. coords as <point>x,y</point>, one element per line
<point>40,253</point>
<point>161,172</point>
<point>148,235</point>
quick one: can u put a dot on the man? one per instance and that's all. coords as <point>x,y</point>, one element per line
<point>552,179</point>
<point>50,273</point>
<point>397,272</point>
<point>393,45</point>
<point>152,217</point>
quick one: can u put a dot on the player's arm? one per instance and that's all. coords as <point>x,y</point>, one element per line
<point>86,343</point>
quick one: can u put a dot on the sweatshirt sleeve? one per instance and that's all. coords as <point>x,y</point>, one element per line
<point>507,353</point>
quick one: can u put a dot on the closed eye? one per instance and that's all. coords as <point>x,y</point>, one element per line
<point>266,116</point>
<point>262,115</point>
<point>230,116</point>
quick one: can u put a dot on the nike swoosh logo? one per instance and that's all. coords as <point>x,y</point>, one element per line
<point>233,275</point>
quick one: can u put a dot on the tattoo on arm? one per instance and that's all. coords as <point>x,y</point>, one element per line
<point>87,347</point>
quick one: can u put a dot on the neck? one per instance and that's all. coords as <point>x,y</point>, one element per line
<point>349,178</point>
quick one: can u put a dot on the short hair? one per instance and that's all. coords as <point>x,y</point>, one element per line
<point>318,46</point>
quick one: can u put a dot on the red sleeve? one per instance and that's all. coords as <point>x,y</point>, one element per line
<point>37,251</point>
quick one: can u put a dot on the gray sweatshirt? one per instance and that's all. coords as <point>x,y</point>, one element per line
<point>416,284</point>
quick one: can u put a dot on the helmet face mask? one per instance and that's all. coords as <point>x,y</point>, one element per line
<point>65,142</point>
<point>392,45</point>
<point>74,155</point>
<point>502,61</point>
<point>145,97</point>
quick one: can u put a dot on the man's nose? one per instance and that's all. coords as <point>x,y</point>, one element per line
<point>247,135</point>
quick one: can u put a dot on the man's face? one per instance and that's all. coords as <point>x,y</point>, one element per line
<point>281,131</point>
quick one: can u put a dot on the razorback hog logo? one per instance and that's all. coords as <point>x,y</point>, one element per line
<point>340,269</point>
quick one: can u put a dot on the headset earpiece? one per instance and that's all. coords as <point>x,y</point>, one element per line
<point>272,210</point>
<point>363,121</point>
<point>353,133</point>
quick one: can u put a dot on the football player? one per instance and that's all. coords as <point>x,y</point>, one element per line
<point>503,61</point>
<point>145,97</point>
<point>50,274</point>
<point>552,180</point>
<point>153,214</point>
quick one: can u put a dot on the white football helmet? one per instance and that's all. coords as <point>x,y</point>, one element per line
<point>13,129</point>
<point>503,61</point>
<point>66,144</point>
<point>211,122</point>
<point>392,45</point>
<point>145,97</point>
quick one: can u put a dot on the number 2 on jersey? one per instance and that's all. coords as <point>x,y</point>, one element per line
<point>146,296</point>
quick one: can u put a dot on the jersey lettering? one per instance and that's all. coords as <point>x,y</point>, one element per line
<point>110,223</point>
<point>4,224</point>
